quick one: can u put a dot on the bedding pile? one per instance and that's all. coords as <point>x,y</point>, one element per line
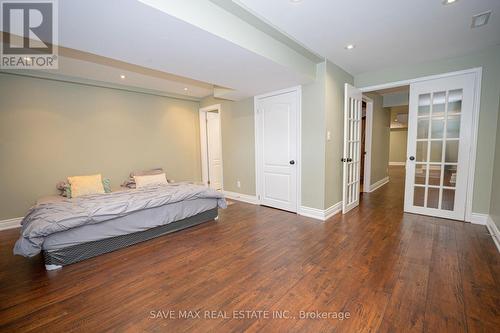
<point>48,218</point>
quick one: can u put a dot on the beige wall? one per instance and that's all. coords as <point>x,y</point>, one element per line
<point>398,136</point>
<point>398,142</point>
<point>495,193</point>
<point>322,111</point>
<point>238,143</point>
<point>50,130</point>
<point>489,60</point>
<point>336,78</point>
<point>313,142</point>
<point>380,139</point>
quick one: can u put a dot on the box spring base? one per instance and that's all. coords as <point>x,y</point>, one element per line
<point>57,258</point>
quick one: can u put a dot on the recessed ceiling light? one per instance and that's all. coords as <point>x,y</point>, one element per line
<point>122,77</point>
<point>350,46</point>
<point>480,19</point>
<point>448,2</point>
<point>185,89</point>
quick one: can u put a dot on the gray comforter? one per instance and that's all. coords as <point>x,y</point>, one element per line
<point>45,219</point>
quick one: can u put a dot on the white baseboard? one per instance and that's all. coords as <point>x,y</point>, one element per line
<point>494,232</point>
<point>379,184</point>
<point>251,199</point>
<point>320,214</point>
<point>333,210</point>
<point>11,223</point>
<point>397,163</point>
<point>478,218</point>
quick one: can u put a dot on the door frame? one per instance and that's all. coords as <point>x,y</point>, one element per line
<point>203,142</point>
<point>478,73</point>
<point>258,148</point>
<point>368,143</point>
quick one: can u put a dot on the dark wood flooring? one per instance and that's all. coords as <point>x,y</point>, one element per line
<point>391,272</point>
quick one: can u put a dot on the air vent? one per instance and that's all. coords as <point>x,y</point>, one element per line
<point>480,19</point>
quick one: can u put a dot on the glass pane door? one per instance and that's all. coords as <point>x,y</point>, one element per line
<point>352,147</point>
<point>438,146</point>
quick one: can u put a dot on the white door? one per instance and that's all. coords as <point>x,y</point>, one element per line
<point>439,136</point>
<point>214,149</point>
<point>352,147</point>
<point>276,132</point>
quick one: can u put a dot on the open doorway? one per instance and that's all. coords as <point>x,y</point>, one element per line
<point>363,145</point>
<point>366,126</point>
<point>211,147</point>
<point>385,130</point>
<point>440,128</point>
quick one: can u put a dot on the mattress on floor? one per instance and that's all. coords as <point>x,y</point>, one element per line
<point>134,222</point>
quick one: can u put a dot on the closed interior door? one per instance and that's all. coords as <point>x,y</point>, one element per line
<point>214,151</point>
<point>439,136</point>
<point>277,133</point>
<point>352,148</point>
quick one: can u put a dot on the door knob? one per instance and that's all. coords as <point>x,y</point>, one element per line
<point>349,160</point>
<point>412,158</point>
<point>292,162</point>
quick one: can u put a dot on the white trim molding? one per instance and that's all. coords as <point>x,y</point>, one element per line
<point>375,186</point>
<point>321,214</point>
<point>251,199</point>
<point>494,232</point>
<point>397,163</point>
<point>478,218</point>
<point>11,223</point>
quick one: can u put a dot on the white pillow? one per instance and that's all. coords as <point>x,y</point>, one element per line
<point>141,181</point>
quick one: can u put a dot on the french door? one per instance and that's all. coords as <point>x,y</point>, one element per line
<point>352,147</point>
<point>439,136</point>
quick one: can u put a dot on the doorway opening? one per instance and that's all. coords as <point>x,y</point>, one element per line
<point>439,123</point>
<point>389,130</point>
<point>211,147</point>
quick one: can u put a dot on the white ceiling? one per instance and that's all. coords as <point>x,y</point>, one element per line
<point>386,33</point>
<point>132,32</point>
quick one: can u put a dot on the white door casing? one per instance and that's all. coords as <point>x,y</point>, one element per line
<point>439,144</point>
<point>277,148</point>
<point>352,148</point>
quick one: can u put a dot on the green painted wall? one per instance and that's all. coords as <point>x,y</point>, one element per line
<point>489,60</point>
<point>335,80</point>
<point>398,136</point>
<point>398,142</point>
<point>313,141</point>
<point>322,111</point>
<point>50,130</point>
<point>238,143</point>
<point>495,193</point>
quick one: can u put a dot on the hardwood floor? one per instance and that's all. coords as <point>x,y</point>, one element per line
<point>387,270</point>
